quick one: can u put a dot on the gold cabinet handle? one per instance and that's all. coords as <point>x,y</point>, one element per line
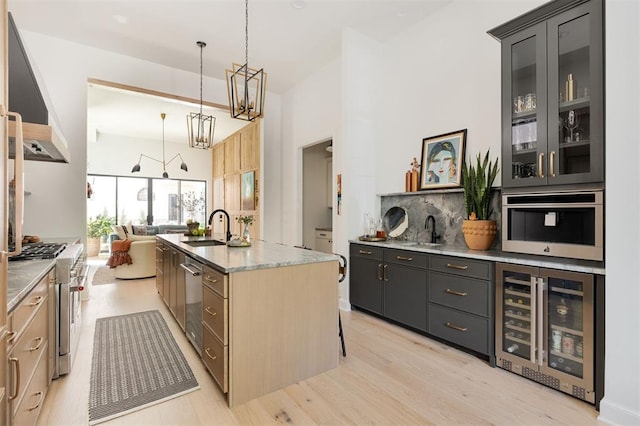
<point>211,280</point>
<point>552,158</point>
<point>40,396</point>
<point>207,310</point>
<point>540,160</point>
<point>454,266</point>
<point>213,357</point>
<point>10,336</point>
<point>380,271</point>
<point>408,259</point>
<point>37,346</point>
<point>36,302</point>
<point>455,292</point>
<point>455,327</point>
<point>368,253</point>
<point>16,363</point>
<point>384,269</point>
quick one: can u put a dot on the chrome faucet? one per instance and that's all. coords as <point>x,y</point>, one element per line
<point>430,224</point>
<point>228,221</point>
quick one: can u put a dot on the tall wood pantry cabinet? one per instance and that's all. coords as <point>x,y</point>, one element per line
<point>553,95</point>
<point>3,210</point>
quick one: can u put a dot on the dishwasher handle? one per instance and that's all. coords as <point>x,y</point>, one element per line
<point>196,271</point>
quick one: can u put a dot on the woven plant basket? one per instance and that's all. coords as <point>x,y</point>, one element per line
<point>479,234</point>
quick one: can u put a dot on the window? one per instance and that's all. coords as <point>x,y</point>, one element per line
<point>147,200</point>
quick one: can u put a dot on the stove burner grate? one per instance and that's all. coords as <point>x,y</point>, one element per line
<point>35,251</point>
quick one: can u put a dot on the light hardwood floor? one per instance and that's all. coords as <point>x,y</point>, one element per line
<point>390,376</point>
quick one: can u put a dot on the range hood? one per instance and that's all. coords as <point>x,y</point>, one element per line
<point>42,141</point>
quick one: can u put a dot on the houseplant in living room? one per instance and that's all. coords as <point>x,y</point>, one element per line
<point>96,229</point>
<point>479,231</point>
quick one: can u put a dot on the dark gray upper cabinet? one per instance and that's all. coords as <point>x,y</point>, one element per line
<point>553,95</point>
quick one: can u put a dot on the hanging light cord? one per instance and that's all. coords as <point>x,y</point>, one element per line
<point>201,47</point>
<point>164,164</point>
<point>246,33</point>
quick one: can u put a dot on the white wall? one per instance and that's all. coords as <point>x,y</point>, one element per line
<point>621,404</point>
<point>57,206</point>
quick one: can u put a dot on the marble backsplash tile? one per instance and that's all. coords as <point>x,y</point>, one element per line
<point>446,206</point>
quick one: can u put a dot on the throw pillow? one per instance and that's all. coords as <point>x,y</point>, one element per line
<point>140,230</point>
<point>121,231</point>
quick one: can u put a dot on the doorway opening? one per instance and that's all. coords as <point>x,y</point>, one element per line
<point>317,196</point>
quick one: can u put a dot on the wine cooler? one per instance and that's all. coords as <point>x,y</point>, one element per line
<point>545,327</point>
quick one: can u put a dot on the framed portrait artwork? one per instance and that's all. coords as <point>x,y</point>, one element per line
<point>442,158</point>
<point>248,197</point>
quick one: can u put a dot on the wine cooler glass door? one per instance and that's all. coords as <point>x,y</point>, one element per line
<point>516,328</point>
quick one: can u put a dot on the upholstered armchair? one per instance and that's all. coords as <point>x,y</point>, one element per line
<point>143,260</point>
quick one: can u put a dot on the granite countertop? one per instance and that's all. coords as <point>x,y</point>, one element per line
<point>575,265</point>
<point>23,275</point>
<point>260,255</point>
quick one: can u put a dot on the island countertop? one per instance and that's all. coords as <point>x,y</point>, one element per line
<point>260,255</point>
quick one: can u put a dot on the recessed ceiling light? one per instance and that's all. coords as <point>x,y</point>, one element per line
<point>120,19</point>
<point>298,4</point>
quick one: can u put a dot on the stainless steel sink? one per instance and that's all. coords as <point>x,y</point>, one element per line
<point>201,243</point>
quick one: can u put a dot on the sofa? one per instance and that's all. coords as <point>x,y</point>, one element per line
<point>142,249</point>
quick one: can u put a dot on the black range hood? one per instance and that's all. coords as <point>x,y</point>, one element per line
<point>42,141</point>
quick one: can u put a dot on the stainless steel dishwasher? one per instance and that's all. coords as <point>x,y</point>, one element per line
<point>193,283</point>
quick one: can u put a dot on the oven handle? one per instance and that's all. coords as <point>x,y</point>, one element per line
<point>76,285</point>
<point>193,272</point>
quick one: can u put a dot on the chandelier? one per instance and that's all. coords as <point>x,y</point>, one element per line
<point>246,85</point>
<point>183,166</point>
<point>199,126</point>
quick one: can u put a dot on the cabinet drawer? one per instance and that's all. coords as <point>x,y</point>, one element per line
<point>215,280</point>
<point>215,313</point>
<point>460,328</point>
<point>27,410</point>
<point>215,358</point>
<point>469,295</point>
<point>462,266</point>
<point>369,252</point>
<point>29,306</point>
<point>408,258</point>
<point>324,234</point>
<point>28,350</point>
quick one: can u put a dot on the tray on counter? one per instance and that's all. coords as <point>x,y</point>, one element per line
<point>372,239</point>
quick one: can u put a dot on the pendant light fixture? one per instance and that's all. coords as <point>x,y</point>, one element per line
<point>199,126</point>
<point>246,85</point>
<point>183,166</point>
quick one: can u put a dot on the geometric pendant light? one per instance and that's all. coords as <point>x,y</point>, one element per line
<point>199,126</point>
<point>245,85</point>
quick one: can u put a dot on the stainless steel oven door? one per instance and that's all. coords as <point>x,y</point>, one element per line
<point>69,322</point>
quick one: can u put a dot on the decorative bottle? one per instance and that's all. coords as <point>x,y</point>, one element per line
<point>570,88</point>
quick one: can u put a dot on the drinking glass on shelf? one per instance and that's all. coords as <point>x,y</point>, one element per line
<point>571,124</point>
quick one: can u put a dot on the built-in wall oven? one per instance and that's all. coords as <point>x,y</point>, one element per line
<point>554,223</point>
<point>193,282</point>
<point>71,276</point>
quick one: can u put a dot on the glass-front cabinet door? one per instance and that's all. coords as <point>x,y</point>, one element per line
<point>525,91</point>
<point>552,100</point>
<point>575,85</point>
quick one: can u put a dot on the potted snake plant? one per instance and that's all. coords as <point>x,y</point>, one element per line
<point>478,229</point>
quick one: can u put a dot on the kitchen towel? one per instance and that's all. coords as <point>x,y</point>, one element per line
<point>136,363</point>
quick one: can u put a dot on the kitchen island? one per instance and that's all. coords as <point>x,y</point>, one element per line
<point>276,310</point>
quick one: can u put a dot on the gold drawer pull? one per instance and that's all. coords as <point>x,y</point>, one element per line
<point>37,346</point>
<point>408,259</point>
<point>213,358</point>
<point>211,280</point>
<point>368,253</point>
<point>37,301</point>
<point>454,266</point>
<point>455,327</point>
<point>213,314</point>
<point>10,336</point>
<point>40,396</point>
<point>455,293</point>
<point>16,362</point>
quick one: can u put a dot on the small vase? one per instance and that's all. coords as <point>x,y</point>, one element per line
<point>246,237</point>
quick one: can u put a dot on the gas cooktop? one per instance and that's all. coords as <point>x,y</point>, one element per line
<point>36,251</point>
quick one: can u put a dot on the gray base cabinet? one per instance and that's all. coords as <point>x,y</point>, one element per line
<point>443,296</point>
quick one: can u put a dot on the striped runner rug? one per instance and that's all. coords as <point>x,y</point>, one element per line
<point>136,363</point>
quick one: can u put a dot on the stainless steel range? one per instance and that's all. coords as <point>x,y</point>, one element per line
<point>71,276</point>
